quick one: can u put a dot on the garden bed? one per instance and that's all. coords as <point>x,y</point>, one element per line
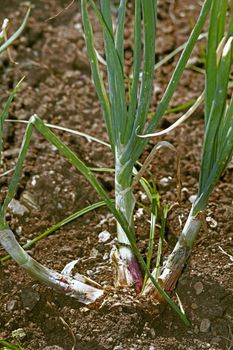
<point>58,87</point>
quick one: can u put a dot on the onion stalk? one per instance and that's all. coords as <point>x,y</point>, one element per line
<point>217,147</point>
<point>125,120</point>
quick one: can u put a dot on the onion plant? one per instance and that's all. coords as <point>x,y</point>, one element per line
<point>125,112</point>
<point>218,141</point>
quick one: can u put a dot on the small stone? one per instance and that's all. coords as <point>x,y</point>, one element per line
<point>192,198</point>
<point>151,347</point>
<point>106,256</point>
<point>212,223</point>
<point>94,253</point>
<point>143,197</point>
<point>196,330</point>
<point>205,325</point>
<point>139,213</point>
<point>18,230</point>
<point>194,306</point>
<point>78,336</point>
<point>19,333</point>
<point>165,182</point>
<point>198,286</point>
<point>216,340</point>
<point>17,208</point>
<point>30,298</point>
<point>152,332</point>
<point>34,180</point>
<point>104,236</point>
<point>10,305</point>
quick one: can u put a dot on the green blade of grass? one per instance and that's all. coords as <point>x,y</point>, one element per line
<point>115,73</point>
<point>226,124</point>
<point>4,113</point>
<point>169,56</point>
<point>107,18</point>
<point>119,36</point>
<point>230,30</point>
<point>102,170</point>
<point>60,224</point>
<point>16,175</point>
<point>179,121</point>
<point>15,36</point>
<point>161,238</point>
<point>211,58</point>
<point>222,158</point>
<point>180,107</point>
<point>147,187</point>
<point>163,105</point>
<point>9,345</point>
<point>149,11</point>
<point>216,115</point>
<point>217,169</point>
<point>222,19</point>
<point>153,219</point>
<point>98,81</point>
<point>180,65</point>
<point>136,68</point>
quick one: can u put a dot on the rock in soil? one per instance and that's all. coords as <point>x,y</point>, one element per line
<point>30,298</point>
<point>205,325</point>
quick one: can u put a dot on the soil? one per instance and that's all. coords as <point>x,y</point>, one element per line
<point>58,87</point>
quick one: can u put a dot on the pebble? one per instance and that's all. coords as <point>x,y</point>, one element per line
<point>139,213</point>
<point>10,305</point>
<point>17,208</point>
<point>192,198</point>
<point>152,332</point>
<point>194,306</point>
<point>198,286</point>
<point>216,340</point>
<point>143,197</point>
<point>19,333</point>
<point>104,236</point>
<point>165,182</point>
<point>205,325</point>
<point>94,253</point>
<point>106,256</point>
<point>29,297</point>
<point>78,336</point>
<point>212,223</point>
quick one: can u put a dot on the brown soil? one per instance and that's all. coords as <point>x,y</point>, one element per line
<point>59,89</point>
